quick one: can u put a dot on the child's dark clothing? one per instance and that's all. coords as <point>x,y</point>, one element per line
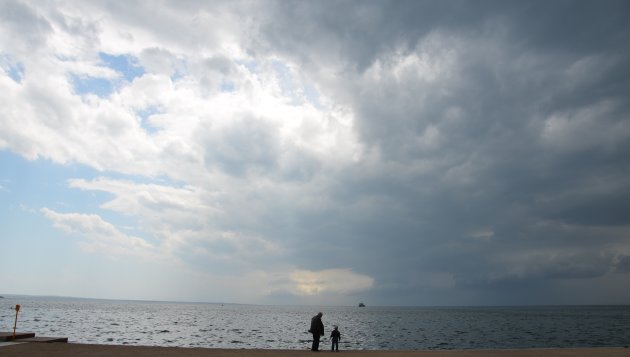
<point>335,336</point>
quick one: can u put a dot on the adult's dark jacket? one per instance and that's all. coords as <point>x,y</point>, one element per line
<point>317,326</point>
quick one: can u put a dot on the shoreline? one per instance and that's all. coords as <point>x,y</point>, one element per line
<point>79,350</point>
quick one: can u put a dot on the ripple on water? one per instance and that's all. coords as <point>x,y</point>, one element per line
<point>211,325</point>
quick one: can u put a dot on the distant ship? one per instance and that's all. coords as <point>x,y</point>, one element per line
<point>361,304</point>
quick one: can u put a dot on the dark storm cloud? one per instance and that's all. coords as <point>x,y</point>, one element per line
<point>519,131</point>
<point>623,265</point>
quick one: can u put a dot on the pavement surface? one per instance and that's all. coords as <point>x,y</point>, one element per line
<point>9,349</point>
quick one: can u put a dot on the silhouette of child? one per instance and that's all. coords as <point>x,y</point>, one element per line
<point>335,336</point>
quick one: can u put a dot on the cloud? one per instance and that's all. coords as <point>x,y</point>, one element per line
<point>24,30</point>
<point>161,61</point>
<point>409,151</point>
<point>334,281</point>
<point>100,236</point>
<point>623,264</point>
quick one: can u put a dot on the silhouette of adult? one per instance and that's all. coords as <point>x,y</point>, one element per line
<point>317,329</point>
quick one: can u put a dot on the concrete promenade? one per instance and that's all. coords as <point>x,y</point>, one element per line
<point>80,350</point>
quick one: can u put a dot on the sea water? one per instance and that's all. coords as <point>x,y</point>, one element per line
<point>285,327</point>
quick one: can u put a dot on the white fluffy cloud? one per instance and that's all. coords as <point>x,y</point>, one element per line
<point>208,121</point>
<point>101,237</point>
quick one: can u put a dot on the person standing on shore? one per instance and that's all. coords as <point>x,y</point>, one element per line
<point>317,329</point>
<point>335,336</point>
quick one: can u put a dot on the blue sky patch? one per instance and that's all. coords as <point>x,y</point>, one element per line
<point>43,183</point>
<point>179,73</point>
<point>127,65</point>
<point>287,84</point>
<point>28,186</point>
<point>312,95</point>
<point>294,89</point>
<point>144,115</point>
<point>252,65</point>
<point>101,87</point>
<point>227,86</point>
<point>12,67</point>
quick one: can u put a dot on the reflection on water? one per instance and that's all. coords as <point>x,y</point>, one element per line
<point>285,327</point>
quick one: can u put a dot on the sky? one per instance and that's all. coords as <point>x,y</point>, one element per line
<point>316,152</point>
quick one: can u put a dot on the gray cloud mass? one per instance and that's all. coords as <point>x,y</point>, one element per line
<point>521,129</point>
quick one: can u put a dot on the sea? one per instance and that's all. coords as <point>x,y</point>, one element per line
<point>238,326</point>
